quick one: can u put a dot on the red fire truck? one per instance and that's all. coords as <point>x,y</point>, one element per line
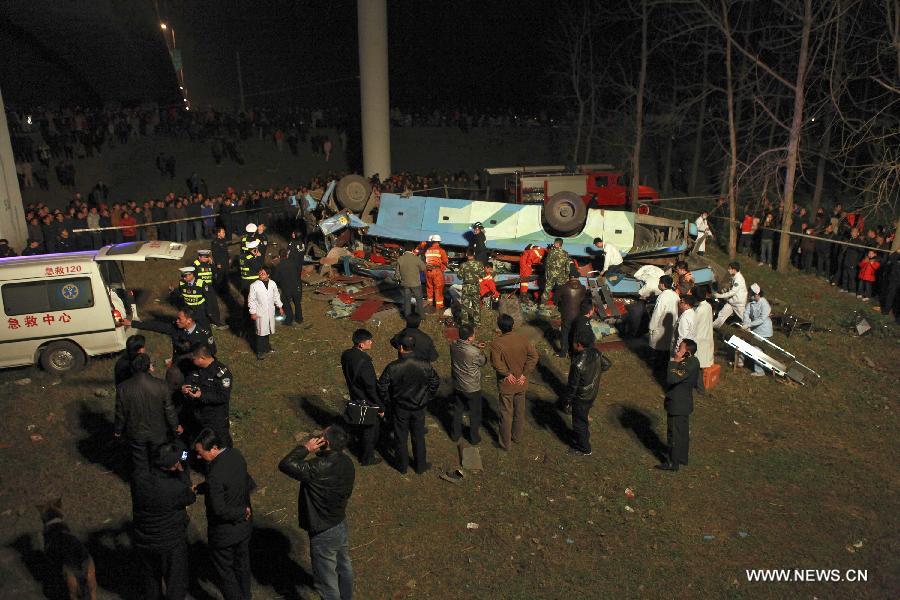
<point>568,193</point>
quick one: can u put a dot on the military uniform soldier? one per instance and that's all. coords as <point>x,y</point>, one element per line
<point>208,389</point>
<point>556,269</point>
<point>470,273</point>
<point>193,294</point>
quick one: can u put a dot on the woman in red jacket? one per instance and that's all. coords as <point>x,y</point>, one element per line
<point>868,267</point>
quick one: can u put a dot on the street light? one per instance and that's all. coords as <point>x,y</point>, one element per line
<point>163,26</point>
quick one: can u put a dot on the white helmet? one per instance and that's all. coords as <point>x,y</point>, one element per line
<point>434,238</point>
<point>250,228</point>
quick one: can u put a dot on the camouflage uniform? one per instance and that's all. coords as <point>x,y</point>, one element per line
<point>470,273</point>
<point>556,270</point>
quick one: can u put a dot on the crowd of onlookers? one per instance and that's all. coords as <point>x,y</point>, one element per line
<point>48,141</point>
<point>193,215</point>
<point>855,266</point>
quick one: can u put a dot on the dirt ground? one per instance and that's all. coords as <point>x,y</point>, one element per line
<point>780,476</point>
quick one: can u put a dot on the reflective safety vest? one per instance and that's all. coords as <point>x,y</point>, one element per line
<point>435,257</point>
<point>486,286</point>
<point>203,271</point>
<point>247,273</point>
<point>192,293</point>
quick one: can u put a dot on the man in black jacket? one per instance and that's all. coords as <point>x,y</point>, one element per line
<point>208,389</point>
<point>144,413</point>
<point>287,276</point>
<point>228,513</point>
<point>134,345</point>
<point>569,297</point>
<point>890,285</point>
<point>407,385</point>
<point>362,385</point>
<point>326,485</point>
<point>425,349</point>
<point>581,326</point>
<point>581,391</point>
<point>681,379</point>
<point>220,260</point>
<point>158,501</point>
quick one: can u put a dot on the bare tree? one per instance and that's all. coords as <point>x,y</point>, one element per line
<point>639,107</point>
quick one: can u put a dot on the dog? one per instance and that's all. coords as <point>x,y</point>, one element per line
<point>68,554</point>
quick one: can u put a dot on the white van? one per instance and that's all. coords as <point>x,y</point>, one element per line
<point>59,309</point>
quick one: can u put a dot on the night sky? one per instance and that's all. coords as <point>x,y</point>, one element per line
<point>466,53</point>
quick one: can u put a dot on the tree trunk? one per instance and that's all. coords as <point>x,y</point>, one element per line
<point>694,187</point>
<point>895,245</point>
<point>784,244</point>
<point>667,165</point>
<point>589,137</point>
<point>639,109</point>
<point>824,149</point>
<point>732,139</point>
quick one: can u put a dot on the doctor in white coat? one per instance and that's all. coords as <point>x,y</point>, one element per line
<point>686,327</point>
<point>662,322</point>
<point>736,296</point>
<point>262,300</point>
<point>703,329</point>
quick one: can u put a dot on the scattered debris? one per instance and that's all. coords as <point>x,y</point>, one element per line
<point>651,512</point>
<point>455,476</point>
<point>23,381</point>
<point>570,541</point>
<point>36,438</point>
<point>30,427</point>
<point>708,538</point>
<point>470,457</point>
<point>743,534</point>
<point>858,544</point>
<point>629,509</point>
<point>629,493</point>
<point>101,393</point>
<point>471,525</point>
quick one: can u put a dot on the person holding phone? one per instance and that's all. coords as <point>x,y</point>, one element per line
<point>326,483</point>
<point>681,379</point>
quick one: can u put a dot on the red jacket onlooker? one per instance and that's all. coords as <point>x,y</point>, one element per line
<point>128,222</point>
<point>867,268</point>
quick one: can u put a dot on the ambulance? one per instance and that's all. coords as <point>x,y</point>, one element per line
<point>60,309</point>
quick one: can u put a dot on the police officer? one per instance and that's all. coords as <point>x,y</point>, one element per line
<point>296,248</point>
<point>556,270</point>
<point>470,273</point>
<point>208,389</point>
<point>192,293</point>
<point>478,243</point>
<point>184,332</point>
<point>205,273</point>
<point>249,235</point>
<point>250,262</point>
<point>220,261</point>
<point>681,379</point>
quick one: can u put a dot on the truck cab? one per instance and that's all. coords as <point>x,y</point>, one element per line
<point>567,192</point>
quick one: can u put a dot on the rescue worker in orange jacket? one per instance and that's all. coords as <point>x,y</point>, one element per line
<point>533,255</point>
<point>486,285</point>
<point>436,262</point>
